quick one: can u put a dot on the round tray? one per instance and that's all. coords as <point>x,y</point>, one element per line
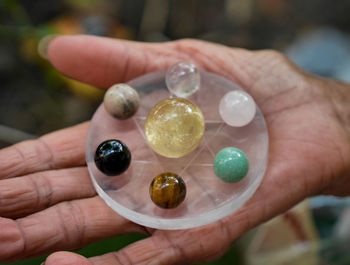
<point>208,198</point>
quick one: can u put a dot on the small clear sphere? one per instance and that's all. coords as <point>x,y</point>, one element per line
<point>182,79</point>
<point>121,101</point>
<point>237,108</point>
<point>174,127</point>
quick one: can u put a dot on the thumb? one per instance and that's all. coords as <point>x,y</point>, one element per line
<point>66,258</point>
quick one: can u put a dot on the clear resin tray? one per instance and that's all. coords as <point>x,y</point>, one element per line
<point>208,198</point>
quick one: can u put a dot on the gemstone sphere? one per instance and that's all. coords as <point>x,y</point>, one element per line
<point>174,127</point>
<point>112,157</point>
<point>182,79</point>
<point>231,164</point>
<point>167,190</point>
<point>121,101</point>
<point>237,108</point>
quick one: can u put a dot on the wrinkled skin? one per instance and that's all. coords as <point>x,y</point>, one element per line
<point>47,202</point>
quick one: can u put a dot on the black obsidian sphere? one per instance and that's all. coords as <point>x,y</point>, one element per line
<point>112,157</point>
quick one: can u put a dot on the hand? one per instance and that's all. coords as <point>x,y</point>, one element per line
<point>47,202</point>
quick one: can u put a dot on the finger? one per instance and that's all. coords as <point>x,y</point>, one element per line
<point>67,225</point>
<point>165,247</point>
<point>204,243</point>
<point>67,258</point>
<point>31,193</point>
<point>103,62</point>
<point>64,148</point>
<point>189,246</point>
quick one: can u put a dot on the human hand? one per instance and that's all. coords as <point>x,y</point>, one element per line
<point>47,202</point>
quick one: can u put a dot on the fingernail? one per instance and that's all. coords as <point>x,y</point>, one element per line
<point>43,45</point>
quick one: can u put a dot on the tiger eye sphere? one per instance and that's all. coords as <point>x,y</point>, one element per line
<point>174,127</point>
<point>167,190</point>
<point>112,157</point>
<point>121,101</point>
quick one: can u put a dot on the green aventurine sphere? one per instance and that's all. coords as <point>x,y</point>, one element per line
<point>231,164</point>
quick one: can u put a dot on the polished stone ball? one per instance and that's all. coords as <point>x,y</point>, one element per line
<point>174,127</point>
<point>237,108</point>
<point>183,79</point>
<point>112,157</point>
<point>231,164</point>
<point>121,101</point>
<point>167,190</point>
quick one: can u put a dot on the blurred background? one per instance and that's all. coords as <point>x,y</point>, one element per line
<point>36,99</point>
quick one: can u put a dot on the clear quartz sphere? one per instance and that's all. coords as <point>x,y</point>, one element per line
<point>182,79</point>
<point>237,108</point>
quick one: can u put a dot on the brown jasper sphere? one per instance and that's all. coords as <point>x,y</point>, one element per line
<point>121,101</point>
<point>167,190</point>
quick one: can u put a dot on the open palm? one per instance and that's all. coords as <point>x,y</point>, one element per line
<point>47,202</point>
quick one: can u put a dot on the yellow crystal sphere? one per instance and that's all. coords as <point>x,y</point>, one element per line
<point>174,127</point>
